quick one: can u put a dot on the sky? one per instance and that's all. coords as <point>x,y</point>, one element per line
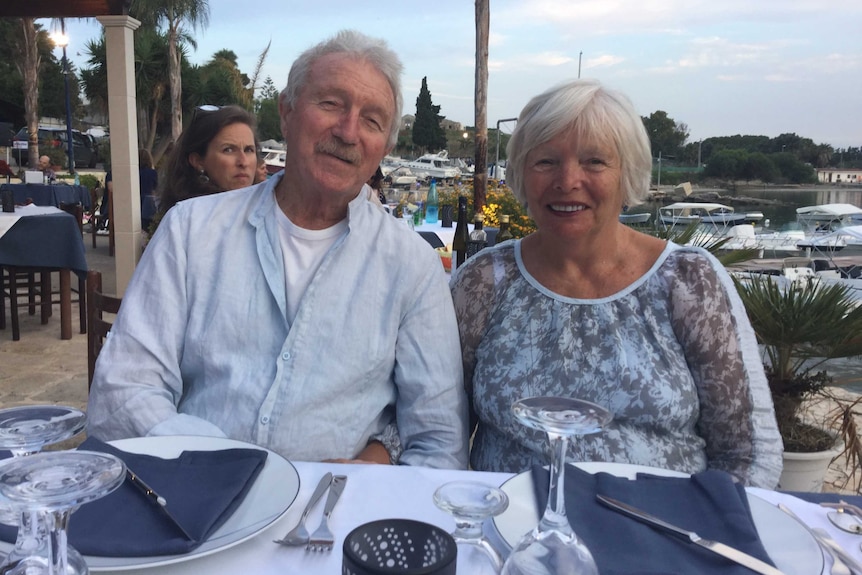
<point>721,67</point>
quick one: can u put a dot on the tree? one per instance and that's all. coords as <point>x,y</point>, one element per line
<point>28,66</point>
<point>665,135</point>
<point>173,14</point>
<point>427,131</point>
<point>268,120</point>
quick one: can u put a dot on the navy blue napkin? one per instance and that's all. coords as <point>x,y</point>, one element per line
<point>202,489</point>
<point>709,503</point>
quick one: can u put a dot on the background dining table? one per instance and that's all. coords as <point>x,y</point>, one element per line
<point>45,237</point>
<point>382,492</point>
<point>50,194</point>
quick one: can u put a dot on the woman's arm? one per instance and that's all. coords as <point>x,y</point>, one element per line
<point>737,419</point>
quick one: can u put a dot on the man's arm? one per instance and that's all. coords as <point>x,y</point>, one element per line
<point>137,384</point>
<point>432,406</point>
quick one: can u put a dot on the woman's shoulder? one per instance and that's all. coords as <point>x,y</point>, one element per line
<point>492,265</point>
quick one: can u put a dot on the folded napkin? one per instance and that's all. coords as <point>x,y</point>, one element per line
<point>202,489</point>
<point>709,503</point>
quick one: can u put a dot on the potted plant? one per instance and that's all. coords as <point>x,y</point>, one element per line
<point>799,327</point>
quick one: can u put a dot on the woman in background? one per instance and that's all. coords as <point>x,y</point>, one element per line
<point>218,151</point>
<point>587,307</point>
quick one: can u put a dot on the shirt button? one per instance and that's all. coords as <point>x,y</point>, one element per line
<point>265,419</point>
<point>285,356</point>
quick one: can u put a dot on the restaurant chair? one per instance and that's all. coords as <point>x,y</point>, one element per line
<point>76,210</point>
<point>97,326</point>
<point>97,220</point>
<point>432,239</point>
<point>15,283</point>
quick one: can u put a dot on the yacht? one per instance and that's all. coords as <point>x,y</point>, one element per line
<point>437,166</point>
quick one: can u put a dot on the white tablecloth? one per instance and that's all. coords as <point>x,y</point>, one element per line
<point>372,492</point>
<point>379,492</point>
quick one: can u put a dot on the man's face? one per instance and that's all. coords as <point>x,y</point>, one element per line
<point>44,163</point>
<point>337,133</point>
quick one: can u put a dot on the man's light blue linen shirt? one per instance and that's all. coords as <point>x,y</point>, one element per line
<point>202,345</point>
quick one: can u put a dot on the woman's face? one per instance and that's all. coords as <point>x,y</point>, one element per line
<point>231,158</point>
<point>573,186</point>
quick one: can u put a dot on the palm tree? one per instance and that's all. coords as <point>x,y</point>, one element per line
<point>28,62</point>
<point>801,326</point>
<point>173,14</point>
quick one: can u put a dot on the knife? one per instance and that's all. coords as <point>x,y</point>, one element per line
<point>157,499</point>
<point>726,551</point>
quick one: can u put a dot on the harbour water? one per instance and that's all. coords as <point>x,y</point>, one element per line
<point>778,204</point>
<point>779,207</point>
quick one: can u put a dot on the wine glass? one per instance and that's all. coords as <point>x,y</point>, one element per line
<point>49,486</point>
<point>552,547</point>
<point>471,503</point>
<point>24,430</point>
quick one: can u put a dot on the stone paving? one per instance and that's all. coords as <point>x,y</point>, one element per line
<point>41,367</point>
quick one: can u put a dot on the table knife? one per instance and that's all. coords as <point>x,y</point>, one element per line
<point>726,551</point>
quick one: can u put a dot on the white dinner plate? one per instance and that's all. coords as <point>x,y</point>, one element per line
<point>791,547</point>
<point>273,492</point>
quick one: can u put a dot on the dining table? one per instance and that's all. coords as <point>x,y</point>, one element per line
<point>50,194</point>
<point>374,492</point>
<point>45,238</point>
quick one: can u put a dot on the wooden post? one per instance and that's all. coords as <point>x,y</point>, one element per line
<point>480,173</point>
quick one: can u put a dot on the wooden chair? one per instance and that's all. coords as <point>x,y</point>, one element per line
<point>98,328</point>
<point>97,219</point>
<point>15,283</point>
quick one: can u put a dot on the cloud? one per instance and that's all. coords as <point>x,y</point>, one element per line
<point>604,61</point>
<point>529,61</point>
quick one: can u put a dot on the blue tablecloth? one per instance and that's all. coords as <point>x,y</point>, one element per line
<point>51,240</point>
<point>50,194</point>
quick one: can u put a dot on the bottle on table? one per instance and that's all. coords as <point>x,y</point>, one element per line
<point>432,204</point>
<point>459,242</point>
<point>478,237</point>
<point>505,233</point>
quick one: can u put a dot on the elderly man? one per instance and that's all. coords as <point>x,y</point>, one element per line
<point>45,167</point>
<point>296,314</point>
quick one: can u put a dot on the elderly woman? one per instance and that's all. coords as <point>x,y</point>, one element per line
<point>587,307</point>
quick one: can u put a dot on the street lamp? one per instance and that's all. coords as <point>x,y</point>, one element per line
<point>61,40</point>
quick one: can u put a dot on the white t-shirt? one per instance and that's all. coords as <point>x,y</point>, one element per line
<point>302,251</point>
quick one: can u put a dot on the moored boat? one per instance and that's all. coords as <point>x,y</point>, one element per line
<point>684,213</point>
<point>634,219</point>
<point>435,166</point>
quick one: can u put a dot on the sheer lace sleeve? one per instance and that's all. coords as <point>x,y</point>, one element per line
<point>474,288</point>
<point>736,418</point>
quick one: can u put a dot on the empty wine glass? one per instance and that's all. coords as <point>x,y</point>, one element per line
<point>471,503</point>
<point>552,547</point>
<point>24,430</point>
<point>49,486</point>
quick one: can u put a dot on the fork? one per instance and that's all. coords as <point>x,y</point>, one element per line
<point>322,539</point>
<point>299,534</point>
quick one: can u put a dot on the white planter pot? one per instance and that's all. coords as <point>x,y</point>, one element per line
<point>805,471</point>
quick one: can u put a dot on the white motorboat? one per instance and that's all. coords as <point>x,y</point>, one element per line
<point>828,217</point>
<point>635,219</point>
<point>435,166</point>
<point>684,213</point>
<point>400,177</point>
<point>274,159</point>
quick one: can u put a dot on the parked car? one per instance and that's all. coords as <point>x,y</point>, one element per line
<point>85,146</point>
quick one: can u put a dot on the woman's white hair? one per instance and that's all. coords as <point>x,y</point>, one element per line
<point>594,114</point>
<point>356,44</point>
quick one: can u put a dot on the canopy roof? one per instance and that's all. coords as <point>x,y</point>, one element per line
<point>63,8</point>
<point>830,210</point>
<point>700,205</point>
